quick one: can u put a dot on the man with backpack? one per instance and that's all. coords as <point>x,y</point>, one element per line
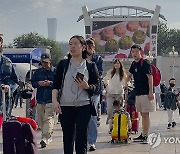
<point>171,102</point>
<point>143,79</point>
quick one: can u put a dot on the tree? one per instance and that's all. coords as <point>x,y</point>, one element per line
<point>167,38</point>
<point>174,39</point>
<point>162,42</point>
<point>32,40</point>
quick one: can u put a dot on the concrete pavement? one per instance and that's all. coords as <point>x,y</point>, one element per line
<point>167,143</point>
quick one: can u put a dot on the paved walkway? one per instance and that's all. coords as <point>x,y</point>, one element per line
<point>158,125</point>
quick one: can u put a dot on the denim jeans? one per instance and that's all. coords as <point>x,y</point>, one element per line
<point>103,107</point>
<point>18,97</point>
<point>92,126</point>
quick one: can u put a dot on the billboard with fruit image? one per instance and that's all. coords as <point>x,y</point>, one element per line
<point>115,38</point>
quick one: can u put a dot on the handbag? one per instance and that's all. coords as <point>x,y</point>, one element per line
<point>26,94</point>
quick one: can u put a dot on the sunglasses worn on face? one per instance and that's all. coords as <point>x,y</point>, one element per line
<point>44,62</point>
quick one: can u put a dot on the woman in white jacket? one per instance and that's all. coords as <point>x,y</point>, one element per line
<point>114,81</point>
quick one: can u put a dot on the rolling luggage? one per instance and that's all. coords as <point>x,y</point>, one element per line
<point>1,120</point>
<point>131,109</point>
<point>18,137</point>
<point>120,128</point>
<point>5,107</point>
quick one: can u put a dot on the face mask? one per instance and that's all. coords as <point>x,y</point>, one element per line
<point>172,84</point>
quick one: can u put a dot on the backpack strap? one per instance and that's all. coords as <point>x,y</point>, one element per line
<point>65,66</point>
<point>142,61</point>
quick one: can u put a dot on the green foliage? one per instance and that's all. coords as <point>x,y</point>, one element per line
<point>167,38</point>
<point>32,40</point>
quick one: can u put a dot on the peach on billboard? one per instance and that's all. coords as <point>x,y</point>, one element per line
<point>114,38</point>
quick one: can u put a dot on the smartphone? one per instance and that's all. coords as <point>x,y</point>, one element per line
<point>80,76</point>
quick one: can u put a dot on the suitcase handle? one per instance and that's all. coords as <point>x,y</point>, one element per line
<point>4,99</point>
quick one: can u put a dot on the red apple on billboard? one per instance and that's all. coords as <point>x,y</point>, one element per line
<point>121,55</point>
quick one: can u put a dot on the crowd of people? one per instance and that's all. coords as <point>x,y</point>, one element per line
<point>77,92</point>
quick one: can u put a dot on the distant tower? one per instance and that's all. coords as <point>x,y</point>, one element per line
<point>52,28</point>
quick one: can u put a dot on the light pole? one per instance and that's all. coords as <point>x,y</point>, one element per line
<point>173,54</point>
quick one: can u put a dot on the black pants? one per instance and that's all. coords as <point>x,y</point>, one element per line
<point>74,122</point>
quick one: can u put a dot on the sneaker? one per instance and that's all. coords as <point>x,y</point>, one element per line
<point>49,140</point>
<point>173,124</point>
<point>92,147</point>
<point>110,131</point>
<point>169,126</point>
<point>39,128</point>
<point>43,143</point>
<point>98,123</point>
<point>139,138</point>
<point>145,139</point>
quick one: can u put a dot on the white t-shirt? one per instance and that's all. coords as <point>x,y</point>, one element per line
<point>114,85</point>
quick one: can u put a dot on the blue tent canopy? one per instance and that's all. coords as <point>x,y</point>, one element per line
<point>23,55</point>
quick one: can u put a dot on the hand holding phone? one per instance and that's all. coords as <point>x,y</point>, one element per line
<point>79,76</point>
<point>80,81</point>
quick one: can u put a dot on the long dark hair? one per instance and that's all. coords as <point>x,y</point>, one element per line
<point>90,41</point>
<point>122,71</point>
<point>83,42</point>
<point>1,39</point>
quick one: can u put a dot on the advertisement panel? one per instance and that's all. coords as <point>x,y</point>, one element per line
<point>115,38</point>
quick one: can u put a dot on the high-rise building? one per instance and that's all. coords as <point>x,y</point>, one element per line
<point>52,28</point>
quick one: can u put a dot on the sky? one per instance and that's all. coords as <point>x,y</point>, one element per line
<point>19,17</point>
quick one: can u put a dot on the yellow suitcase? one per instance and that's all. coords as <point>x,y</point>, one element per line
<point>120,127</point>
